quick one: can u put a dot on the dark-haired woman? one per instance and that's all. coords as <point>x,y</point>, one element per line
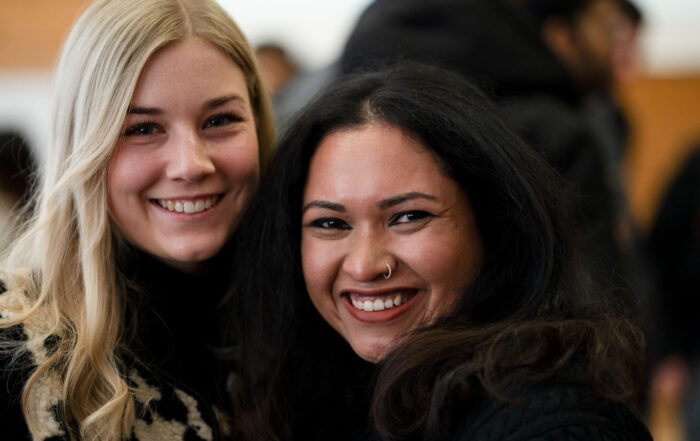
<point>402,212</point>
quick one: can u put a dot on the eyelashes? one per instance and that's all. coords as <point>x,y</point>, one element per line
<point>330,223</point>
<point>145,128</point>
<point>149,128</point>
<point>402,218</point>
<point>409,217</point>
<point>221,120</point>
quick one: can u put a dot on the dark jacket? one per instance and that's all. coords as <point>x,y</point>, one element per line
<point>553,411</point>
<point>556,411</point>
<point>675,248</point>
<point>171,364</point>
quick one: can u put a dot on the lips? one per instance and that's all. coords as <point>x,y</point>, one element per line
<point>188,206</point>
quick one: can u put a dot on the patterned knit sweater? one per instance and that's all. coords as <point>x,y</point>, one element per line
<point>174,379</point>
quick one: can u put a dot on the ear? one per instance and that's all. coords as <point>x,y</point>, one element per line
<point>557,36</point>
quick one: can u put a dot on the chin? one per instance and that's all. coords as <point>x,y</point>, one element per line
<point>195,253</point>
<point>190,261</point>
<point>373,352</point>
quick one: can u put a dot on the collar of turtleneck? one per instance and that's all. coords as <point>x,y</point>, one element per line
<point>174,319</point>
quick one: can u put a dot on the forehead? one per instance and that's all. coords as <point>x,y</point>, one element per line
<point>374,160</point>
<point>194,65</point>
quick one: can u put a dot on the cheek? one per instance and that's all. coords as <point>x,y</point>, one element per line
<point>320,268</point>
<point>128,174</point>
<point>312,265</point>
<point>448,264</point>
<point>241,164</point>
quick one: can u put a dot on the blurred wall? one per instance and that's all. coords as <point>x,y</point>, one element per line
<point>31,31</point>
<point>664,115</point>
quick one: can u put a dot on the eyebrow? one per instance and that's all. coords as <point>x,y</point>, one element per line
<point>383,204</point>
<point>136,110</point>
<point>323,204</point>
<point>216,102</point>
<point>396,200</point>
<point>211,104</point>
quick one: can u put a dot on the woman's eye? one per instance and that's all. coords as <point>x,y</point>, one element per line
<point>141,129</point>
<point>222,120</point>
<point>409,216</point>
<point>330,223</point>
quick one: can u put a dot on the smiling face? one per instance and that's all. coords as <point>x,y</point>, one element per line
<point>375,198</point>
<point>187,162</point>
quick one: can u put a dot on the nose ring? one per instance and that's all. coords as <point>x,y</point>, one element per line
<point>388,267</point>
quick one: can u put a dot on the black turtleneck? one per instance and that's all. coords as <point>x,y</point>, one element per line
<point>175,321</point>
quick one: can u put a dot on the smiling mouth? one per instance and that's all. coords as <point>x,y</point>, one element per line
<point>380,302</point>
<point>188,206</point>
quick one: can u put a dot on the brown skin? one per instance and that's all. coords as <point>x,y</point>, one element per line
<point>376,199</point>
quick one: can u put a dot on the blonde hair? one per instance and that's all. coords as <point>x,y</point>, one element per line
<point>64,262</point>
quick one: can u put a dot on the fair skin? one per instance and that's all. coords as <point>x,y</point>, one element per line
<point>187,162</point>
<point>376,197</point>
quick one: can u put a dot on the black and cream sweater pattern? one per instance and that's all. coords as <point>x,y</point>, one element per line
<point>164,410</point>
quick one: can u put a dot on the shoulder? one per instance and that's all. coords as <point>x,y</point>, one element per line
<point>552,412</point>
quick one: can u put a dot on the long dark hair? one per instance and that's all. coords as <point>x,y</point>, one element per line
<point>529,312</point>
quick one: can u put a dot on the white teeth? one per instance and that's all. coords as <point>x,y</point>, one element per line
<point>193,206</point>
<point>377,304</point>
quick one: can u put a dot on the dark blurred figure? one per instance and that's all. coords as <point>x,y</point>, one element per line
<point>538,60</point>
<point>675,309</point>
<point>17,166</point>
<point>290,86</point>
<point>596,41</point>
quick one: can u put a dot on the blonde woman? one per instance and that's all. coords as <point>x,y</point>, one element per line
<point>160,125</point>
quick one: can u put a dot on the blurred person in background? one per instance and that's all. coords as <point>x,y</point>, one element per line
<point>276,67</point>
<point>17,169</point>
<point>674,342</point>
<point>109,297</point>
<point>596,40</point>
<point>626,54</point>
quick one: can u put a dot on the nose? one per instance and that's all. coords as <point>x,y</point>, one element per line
<point>367,259</point>
<point>190,159</point>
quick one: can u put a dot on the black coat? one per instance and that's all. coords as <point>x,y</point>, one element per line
<point>553,411</point>
<point>556,411</point>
